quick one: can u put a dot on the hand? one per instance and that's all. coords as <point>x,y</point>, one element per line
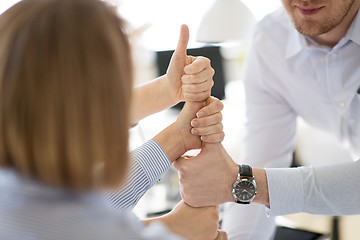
<point>193,223</point>
<point>188,78</point>
<point>207,179</point>
<point>221,235</point>
<point>208,125</point>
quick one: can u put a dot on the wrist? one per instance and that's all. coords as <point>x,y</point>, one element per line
<point>233,176</point>
<point>171,96</point>
<point>262,195</point>
<point>171,142</point>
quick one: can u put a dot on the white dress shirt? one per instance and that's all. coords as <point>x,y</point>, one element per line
<point>287,76</point>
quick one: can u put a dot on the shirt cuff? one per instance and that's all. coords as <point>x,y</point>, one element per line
<point>286,192</point>
<point>153,160</point>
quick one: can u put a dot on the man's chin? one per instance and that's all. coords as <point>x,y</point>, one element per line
<point>310,30</point>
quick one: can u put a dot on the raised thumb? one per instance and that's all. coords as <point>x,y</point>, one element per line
<point>183,41</point>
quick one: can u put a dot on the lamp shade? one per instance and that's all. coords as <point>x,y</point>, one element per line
<point>226,21</point>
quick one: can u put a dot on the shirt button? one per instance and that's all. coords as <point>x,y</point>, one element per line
<point>334,56</point>
<point>341,104</point>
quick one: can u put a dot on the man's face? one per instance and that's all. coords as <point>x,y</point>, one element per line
<point>316,17</point>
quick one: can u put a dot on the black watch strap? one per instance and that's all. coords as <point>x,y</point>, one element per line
<point>245,171</point>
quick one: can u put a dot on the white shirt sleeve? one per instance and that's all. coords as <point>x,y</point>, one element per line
<point>328,190</point>
<point>269,137</point>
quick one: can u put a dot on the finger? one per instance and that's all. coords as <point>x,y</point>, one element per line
<point>213,138</point>
<point>179,162</point>
<point>221,235</point>
<point>176,164</point>
<point>200,77</point>
<point>183,41</point>
<point>198,65</point>
<point>197,97</point>
<point>203,131</point>
<point>207,121</point>
<point>214,106</point>
<point>197,87</point>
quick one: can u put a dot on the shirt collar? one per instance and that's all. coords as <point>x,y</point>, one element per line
<point>354,30</point>
<point>297,41</point>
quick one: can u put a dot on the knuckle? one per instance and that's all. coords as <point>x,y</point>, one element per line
<point>222,136</point>
<point>219,104</point>
<point>207,60</point>
<point>209,83</point>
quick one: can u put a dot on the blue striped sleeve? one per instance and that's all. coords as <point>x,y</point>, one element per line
<point>148,163</point>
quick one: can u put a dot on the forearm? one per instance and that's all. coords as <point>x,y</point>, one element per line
<point>151,98</point>
<point>171,142</point>
<point>176,139</point>
<point>327,190</point>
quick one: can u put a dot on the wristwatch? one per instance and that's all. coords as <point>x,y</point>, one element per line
<point>244,188</point>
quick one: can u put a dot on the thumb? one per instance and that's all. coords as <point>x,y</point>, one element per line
<point>180,50</point>
<point>189,111</point>
<point>221,235</point>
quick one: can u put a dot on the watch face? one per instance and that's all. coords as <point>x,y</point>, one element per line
<point>245,190</point>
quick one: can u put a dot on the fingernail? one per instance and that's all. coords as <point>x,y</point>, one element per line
<point>194,123</point>
<point>194,131</point>
<point>200,114</point>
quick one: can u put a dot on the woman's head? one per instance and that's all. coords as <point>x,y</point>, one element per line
<point>65,86</point>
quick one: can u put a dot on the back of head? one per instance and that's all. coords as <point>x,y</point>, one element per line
<point>65,85</point>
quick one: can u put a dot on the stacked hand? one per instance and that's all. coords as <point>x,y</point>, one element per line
<point>201,116</point>
<point>194,223</point>
<point>206,179</point>
<point>188,78</point>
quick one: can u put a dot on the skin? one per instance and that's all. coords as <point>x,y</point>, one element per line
<point>201,115</point>
<point>328,24</point>
<point>207,178</point>
<point>184,221</point>
<point>187,78</point>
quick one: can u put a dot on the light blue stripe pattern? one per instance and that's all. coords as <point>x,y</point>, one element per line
<point>30,210</point>
<point>148,164</point>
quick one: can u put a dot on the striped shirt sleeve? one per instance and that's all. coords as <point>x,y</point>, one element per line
<point>148,163</point>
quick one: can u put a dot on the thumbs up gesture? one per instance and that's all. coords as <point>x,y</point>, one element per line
<point>189,78</point>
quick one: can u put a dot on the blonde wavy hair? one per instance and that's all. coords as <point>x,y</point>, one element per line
<point>65,90</point>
